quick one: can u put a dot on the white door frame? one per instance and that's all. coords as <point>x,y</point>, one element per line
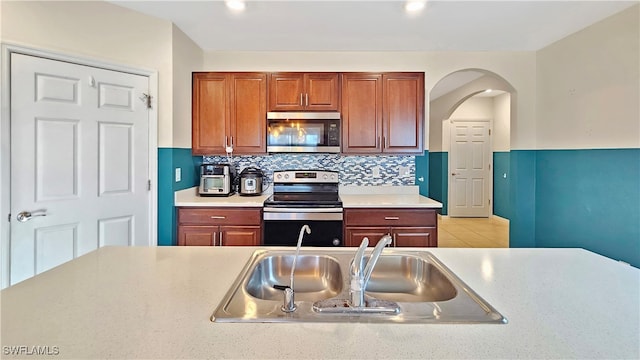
<point>450,178</point>
<point>5,140</point>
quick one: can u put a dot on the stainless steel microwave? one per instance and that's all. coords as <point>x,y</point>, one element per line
<point>303,132</point>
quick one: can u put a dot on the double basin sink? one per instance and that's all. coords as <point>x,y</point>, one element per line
<point>414,287</point>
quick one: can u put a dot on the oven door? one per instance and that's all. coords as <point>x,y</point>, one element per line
<point>283,228</point>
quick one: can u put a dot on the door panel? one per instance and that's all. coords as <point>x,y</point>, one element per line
<point>240,235</point>
<point>361,113</point>
<point>210,113</point>
<point>403,115</point>
<point>322,91</point>
<point>470,162</point>
<point>56,162</point>
<point>115,158</point>
<point>355,235</point>
<point>285,91</point>
<point>249,112</point>
<point>79,155</point>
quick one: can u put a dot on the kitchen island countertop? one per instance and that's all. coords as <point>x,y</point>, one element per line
<point>155,302</point>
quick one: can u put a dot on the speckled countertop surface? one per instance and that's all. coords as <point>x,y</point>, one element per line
<point>156,302</point>
<point>352,197</point>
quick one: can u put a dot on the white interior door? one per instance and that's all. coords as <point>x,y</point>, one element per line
<point>470,169</point>
<point>79,162</point>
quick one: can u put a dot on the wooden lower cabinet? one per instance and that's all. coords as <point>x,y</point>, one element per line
<point>240,235</point>
<point>197,235</point>
<point>407,227</point>
<point>219,226</point>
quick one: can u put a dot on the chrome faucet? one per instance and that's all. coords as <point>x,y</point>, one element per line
<point>289,304</point>
<point>359,277</point>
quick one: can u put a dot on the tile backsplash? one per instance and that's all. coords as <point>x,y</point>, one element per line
<point>354,170</point>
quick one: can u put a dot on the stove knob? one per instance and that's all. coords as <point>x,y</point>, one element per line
<point>325,176</point>
<point>279,176</point>
<point>286,176</point>
<point>333,176</point>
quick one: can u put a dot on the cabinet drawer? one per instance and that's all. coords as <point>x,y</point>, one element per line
<point>219,216</point>
<point>390,217</point>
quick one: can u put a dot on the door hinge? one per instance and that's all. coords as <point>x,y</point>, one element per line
<point>9,217</point>
<point>146,98</point>
<point>489,166</point>
<point>148,185</point>
<point>489,201</point>
<point>489,131</point>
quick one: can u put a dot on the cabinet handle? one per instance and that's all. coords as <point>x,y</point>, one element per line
<point>220,238</point>
<point>218,217</point>
<point>391,218</point>
<point>225,141</point>
<point>384,138</point>
<point>378,142</point>
<point>306,99</point>
<point>301,104</point>
<point>231,141</point>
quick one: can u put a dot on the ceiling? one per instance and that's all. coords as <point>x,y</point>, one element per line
<point>357,25</point>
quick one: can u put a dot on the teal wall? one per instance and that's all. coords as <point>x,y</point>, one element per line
<point>422,171</point>
<point>501,181</point>
<point>168,160</point>
<point>438,180</point>
<point>589,199</point>
<point>522,164</point>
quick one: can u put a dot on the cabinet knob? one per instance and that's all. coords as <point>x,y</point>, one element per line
<point>336,242</point>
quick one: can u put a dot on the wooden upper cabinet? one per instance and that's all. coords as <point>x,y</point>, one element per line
<point>361,113</point>
<point>210,113</point>
<point>403,112</point>
<point>382,113</point>
<point>229,109</point>
<point>248,113</point>
<point>304,92</point>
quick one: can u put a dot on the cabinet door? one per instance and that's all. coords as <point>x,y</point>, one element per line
<point>403,113</point>
<point>286,92</point>
<point>248,112</point>
<point>321,92</point>
<point>210,113</point>
<point>414,236</point>
<point>361,113</point>
<point>354,235</point>
<point>240,235</point>
<point>197,235</point>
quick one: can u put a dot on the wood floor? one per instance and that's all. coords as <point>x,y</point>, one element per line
<point>492,232</point>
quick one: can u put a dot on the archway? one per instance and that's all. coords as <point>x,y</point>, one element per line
<point>457,96</point>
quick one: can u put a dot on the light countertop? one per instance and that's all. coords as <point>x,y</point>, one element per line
<point>189,197</point>
<point>155,302</point>
<point>352,197</point>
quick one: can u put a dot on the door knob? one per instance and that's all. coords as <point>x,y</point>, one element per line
<point>24,216</point>
<point>454,174</point>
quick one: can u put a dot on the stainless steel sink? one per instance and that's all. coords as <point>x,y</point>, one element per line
<point>316,277</point>
<point>406,278</point>
<point>405,286</point>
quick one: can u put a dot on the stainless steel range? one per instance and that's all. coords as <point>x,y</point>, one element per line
<point>303,197</point>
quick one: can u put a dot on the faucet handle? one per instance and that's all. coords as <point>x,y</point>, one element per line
<point>356,263</point>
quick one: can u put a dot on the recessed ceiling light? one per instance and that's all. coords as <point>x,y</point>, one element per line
<point>236,5</point>
<point>413,6</point>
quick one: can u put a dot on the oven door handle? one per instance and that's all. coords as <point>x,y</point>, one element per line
<point>302,210</point>
<point>304,216</point>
